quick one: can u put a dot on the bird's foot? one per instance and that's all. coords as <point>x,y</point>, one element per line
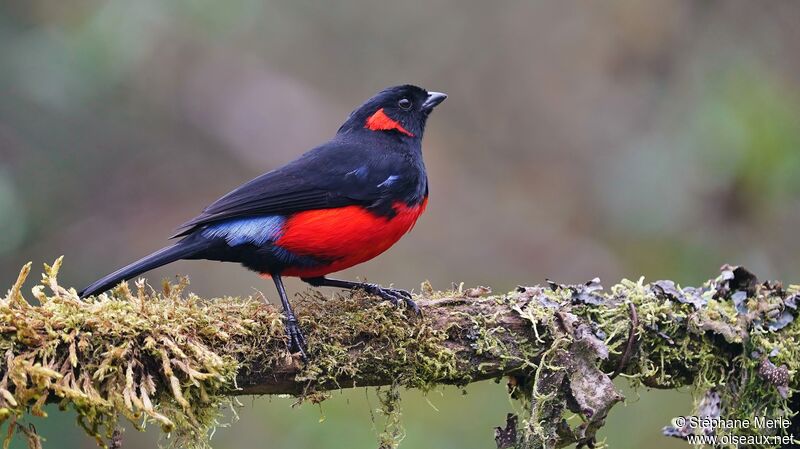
<point>393,295</point>
<point>297,341</point>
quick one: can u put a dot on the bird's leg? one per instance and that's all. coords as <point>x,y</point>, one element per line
<point>395,296</point>
<point>297,342</point>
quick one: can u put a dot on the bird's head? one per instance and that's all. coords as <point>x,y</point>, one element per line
<point>399,111</point>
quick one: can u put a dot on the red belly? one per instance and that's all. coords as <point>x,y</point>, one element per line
<point>347,235</point>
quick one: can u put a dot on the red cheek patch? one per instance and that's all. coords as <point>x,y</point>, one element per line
<point>379,121</point>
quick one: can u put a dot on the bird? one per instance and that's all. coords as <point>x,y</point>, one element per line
<point>338,205</point>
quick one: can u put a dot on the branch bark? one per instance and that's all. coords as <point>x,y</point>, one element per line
<point>173,357</point>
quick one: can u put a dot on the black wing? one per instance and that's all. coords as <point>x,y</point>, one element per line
<point>332,175</point>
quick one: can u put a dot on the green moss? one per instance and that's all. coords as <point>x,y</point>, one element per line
<point>393,431</point>
<point>135,355</point>
<point>400,347</point>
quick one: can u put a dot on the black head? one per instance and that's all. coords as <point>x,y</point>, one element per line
<point>399,111</point>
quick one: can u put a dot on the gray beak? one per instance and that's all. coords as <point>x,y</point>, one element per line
<point>434,98</point>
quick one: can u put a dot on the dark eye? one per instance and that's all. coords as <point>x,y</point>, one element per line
<point>405,104</point>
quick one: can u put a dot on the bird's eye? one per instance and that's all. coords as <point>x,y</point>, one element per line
<point>405,104</point>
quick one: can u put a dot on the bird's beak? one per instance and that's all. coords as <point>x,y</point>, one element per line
<point>434,98</point>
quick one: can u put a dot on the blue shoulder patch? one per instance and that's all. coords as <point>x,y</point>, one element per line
<point>360,173</point>
<point>251,230</point>
<point>389,181</point>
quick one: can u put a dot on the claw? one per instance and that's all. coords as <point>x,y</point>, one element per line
<point>395,296</point>
<point>413,306</point>
<point>404,293</point>
<point>297,341</point>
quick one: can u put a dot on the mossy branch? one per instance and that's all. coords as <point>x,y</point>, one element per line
<point>174,358</point>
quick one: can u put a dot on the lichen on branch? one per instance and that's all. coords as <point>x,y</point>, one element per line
<point>175,359</point>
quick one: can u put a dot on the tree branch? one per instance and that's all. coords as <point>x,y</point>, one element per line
<point>457,358</point>
<point>174,358</point>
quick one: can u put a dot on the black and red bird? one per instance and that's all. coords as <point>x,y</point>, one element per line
<point>336,206</point>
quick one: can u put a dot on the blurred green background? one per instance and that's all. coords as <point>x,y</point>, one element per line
<point>580,139</point>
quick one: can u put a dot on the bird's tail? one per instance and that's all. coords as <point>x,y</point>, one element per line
<point>180,250</point>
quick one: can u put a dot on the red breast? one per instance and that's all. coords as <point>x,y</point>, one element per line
<point>346,235</point>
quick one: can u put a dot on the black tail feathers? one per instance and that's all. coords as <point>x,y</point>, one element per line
<point>180,250</point>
